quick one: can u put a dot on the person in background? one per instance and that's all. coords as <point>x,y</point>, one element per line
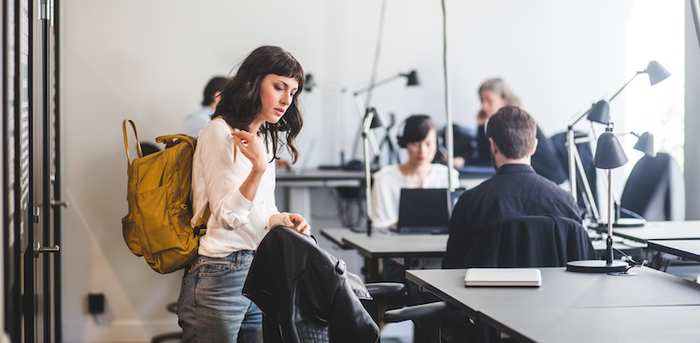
<point>233,174</point>
<point>495,94</point>
<point>515,191</point>
<point>195,121</point>
<point>419,138</point>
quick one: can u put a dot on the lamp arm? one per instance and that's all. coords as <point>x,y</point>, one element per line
<point>571,125</point>
<point>625,85</point>
<point>611,99</point>
<point>358,92</point>
<point>366,123</point>
<point>608,241</point>
<point>586,187</point>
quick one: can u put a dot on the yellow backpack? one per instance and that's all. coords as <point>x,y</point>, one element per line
<point>158,224</point>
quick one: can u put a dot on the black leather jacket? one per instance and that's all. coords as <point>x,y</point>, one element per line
<point>306,292</point>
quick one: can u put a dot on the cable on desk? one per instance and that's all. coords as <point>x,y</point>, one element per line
<point>630,260</point>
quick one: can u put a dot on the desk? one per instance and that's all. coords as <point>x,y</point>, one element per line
<point>320,178</point>
<point>390,245</point>
<point>687,249</point>
<point>661,231</point>
<point>577,307</point>
<point>387,245</point>
<point>297,184</point>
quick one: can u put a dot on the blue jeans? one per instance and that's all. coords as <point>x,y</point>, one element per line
<point>211,307</point>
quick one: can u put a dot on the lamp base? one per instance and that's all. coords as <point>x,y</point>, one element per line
<point>596,266</point>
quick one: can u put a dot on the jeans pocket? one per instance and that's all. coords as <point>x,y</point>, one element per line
<point>213,268</point>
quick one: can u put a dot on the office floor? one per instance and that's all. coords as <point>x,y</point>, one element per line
<point>398,333</point>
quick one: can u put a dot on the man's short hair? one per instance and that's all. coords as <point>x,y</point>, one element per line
<point>513,130</point>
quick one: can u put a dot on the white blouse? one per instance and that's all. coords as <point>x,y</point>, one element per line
<point>386,191</point>
<point>235,222</point>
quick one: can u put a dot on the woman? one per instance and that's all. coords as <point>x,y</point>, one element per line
<point>420,140</point>
<point>495,94</point>
<point>233,173</point>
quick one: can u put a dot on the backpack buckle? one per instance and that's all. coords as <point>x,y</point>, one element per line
<point>200,230</point>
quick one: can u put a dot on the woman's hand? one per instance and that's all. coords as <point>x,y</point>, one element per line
<point>481,118</point>
<point>251,147</point>
<point>293,220</point>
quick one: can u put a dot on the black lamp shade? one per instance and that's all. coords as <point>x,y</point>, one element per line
<point>609,153</point>
<point>657,72</point>
<point>376,121</point>
<point>600,113</point>
<point>645,144</point>
<point>309,83</point>
<point>412,79</point>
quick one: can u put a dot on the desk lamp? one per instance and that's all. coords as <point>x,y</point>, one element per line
<point>645,143</point>
<point>608,155</point>
<point>368,122</point>
<point>599,113</point>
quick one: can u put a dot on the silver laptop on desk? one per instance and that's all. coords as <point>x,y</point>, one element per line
<point>423,211</point>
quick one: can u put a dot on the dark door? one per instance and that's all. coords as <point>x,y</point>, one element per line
<point>43,236</point>
<point>29,135</point>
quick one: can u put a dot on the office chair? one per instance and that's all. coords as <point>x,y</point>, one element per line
<point>546,161</point>
<point>522,242</point>
<point>305,293</point>
<point>655,190</point>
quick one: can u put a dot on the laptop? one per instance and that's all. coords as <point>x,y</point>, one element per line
<point>423,211</point>
<point>503,277</point>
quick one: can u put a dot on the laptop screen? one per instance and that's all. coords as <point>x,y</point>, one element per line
<point>423,210</point>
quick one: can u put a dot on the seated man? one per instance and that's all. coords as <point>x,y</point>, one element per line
<point>516,190</point>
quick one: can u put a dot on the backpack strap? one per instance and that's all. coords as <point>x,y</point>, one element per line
<point>126,140</point>
<point>170,140</point>
<point>200,228</point>
<point>235,148</point>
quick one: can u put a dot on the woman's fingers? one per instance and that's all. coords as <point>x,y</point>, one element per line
<point>300,224</point>
<point>287,220</point>
<point>251,147</point>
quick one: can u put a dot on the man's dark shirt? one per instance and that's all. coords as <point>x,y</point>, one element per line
<point>515,191</point>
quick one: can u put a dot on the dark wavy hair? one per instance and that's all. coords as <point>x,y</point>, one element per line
<point>240,100</point>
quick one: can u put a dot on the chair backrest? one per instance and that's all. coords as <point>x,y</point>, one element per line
<point>305,293</point>
<point>531,241</point>
<point>655,189</point>
<point>546,162</point>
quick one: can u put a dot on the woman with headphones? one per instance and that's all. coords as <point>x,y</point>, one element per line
<point>419,138</point>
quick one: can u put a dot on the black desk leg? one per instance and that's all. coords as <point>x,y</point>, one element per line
<point>371,269</point>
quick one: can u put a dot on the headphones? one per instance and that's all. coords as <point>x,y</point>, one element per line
<point>400,140</point>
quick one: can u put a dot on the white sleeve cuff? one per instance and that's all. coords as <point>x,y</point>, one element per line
<point>235,210</point>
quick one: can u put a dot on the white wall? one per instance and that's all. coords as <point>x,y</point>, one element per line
<point>149,60</point>
<point>692,120</point>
